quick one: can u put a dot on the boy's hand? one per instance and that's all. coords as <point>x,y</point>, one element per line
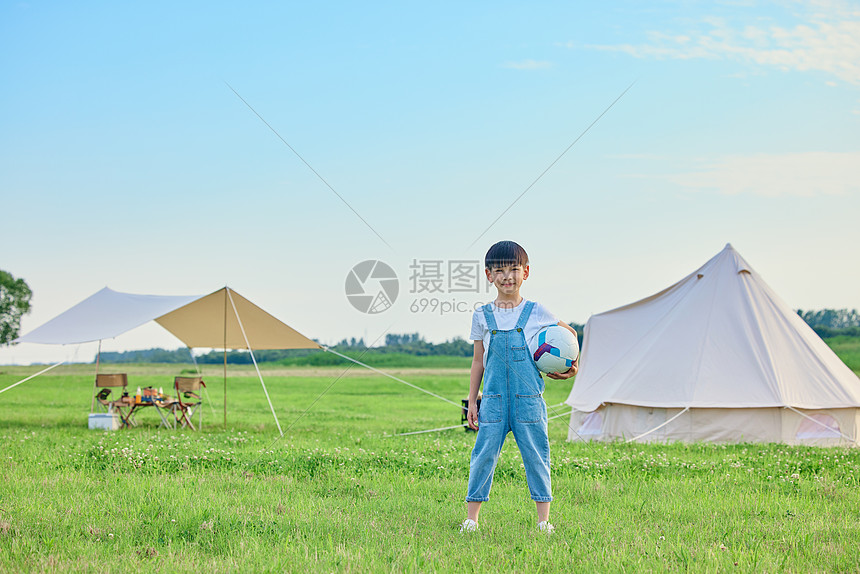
<point>567,374</point>
<point>472,416</point>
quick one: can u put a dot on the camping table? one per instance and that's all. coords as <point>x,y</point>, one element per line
<point>160,406</point>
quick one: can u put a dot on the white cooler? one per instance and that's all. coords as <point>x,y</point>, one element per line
<point>104,421</point>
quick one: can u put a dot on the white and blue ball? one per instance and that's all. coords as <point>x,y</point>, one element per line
<point>556,349</point>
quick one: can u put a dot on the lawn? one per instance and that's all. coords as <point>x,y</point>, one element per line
<point>340,492</point>
<point>848,349</point>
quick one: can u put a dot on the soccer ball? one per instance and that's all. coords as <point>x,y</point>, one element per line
<point>557,348</point>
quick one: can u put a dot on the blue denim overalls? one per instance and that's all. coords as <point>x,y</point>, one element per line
<point>512,401</point>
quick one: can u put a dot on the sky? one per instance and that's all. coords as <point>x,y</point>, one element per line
<point>175,148</point>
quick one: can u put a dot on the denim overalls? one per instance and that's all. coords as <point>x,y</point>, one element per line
<point>512,401</point>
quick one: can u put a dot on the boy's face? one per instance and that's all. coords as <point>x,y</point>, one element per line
<point>508,279</point>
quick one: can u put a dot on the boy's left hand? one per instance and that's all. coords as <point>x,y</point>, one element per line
<point>567,374</point>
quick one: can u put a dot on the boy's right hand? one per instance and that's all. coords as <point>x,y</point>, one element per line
<point>472,416</point>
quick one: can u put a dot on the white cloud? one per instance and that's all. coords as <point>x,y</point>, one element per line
<point>528,65</point>
<point>795,174</point>
<point>828,40</point>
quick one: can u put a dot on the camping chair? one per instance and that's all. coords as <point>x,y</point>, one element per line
<point>104,384</point>
<point>187,400</point>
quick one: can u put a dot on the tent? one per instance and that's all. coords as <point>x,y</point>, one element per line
<point>222,320</point>
<point>718,356</point>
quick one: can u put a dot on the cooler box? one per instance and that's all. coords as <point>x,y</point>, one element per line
<point>104,421</point>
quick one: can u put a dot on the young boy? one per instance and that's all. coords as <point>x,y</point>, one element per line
<point>513,387</point>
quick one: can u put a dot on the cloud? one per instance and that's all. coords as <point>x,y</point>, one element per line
<point>805,174</point>
<point>826,40</point>
<point>527,65</point>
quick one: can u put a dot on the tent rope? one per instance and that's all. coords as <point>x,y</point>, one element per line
<point>254,359</point>
<point>399,380</point>
<point>32,376</point>
<point>320,396</point>
<point>431,430</point>
<point>459,426</point>
<point>96,378</point>
<point>658,427</point>
<point>205,392</point>
<point>821,424</point>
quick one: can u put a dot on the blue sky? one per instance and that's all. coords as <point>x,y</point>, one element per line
<point>127,161</point>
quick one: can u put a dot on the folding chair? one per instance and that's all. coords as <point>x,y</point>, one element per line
<point>104,384</point>
<point>187,400</point>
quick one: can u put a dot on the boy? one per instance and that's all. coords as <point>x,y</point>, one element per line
<point>513,387</point>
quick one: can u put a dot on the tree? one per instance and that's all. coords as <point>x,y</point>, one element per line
<point>14,303</point>
<point>831,318</point>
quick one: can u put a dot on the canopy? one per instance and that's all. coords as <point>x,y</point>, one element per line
<point>223,320</point>
<point>216,320</point>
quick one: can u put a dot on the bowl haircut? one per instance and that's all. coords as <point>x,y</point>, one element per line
<point>505,253</point>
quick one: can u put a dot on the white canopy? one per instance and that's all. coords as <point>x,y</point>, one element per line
<point>719,338</point>
<point>220,320</point>
<point>104,315</point>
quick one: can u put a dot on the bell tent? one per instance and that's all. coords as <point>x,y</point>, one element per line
<point>718,356</point>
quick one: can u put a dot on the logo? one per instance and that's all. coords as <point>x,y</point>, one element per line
<point>372,286</point>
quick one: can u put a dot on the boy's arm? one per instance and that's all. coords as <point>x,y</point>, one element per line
<point>572,372</point>
<point>475,376</point>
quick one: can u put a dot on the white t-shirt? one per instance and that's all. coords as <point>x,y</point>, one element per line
<point>506,319</point>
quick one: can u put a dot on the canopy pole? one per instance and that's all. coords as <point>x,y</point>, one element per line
<point>98,357</point>
<point>254,359</point>
<point>225,358</point>
<point>32,376</point>
<point>194,360</point>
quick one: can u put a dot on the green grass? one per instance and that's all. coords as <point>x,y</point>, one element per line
<point>340,493</point>
<point>848,349</point>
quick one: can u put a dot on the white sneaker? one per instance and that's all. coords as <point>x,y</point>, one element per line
<point>546,527</point>
<point>468,525</point>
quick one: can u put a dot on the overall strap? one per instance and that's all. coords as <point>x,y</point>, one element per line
<point>488,315</point>
<point>524,316</point>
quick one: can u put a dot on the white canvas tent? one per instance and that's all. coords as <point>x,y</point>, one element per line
<point>222,320</point>
<point>715,357</point>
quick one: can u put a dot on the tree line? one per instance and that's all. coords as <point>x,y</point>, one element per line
<point>404,344</point>
<point>832,322</point>
<point>825,322</point>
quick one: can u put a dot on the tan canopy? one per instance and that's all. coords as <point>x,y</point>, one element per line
<point>213,321</point>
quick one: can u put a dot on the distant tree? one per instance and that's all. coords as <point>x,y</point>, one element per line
<point>580,332</point>
<point>395,340</point>
<point>831,318</point>
<point>14,303</point>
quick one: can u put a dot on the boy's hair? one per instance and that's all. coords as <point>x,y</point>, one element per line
<point>505,253</point>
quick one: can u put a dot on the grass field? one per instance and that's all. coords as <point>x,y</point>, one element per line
<point>340,493</point>
<point>848,349</point>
